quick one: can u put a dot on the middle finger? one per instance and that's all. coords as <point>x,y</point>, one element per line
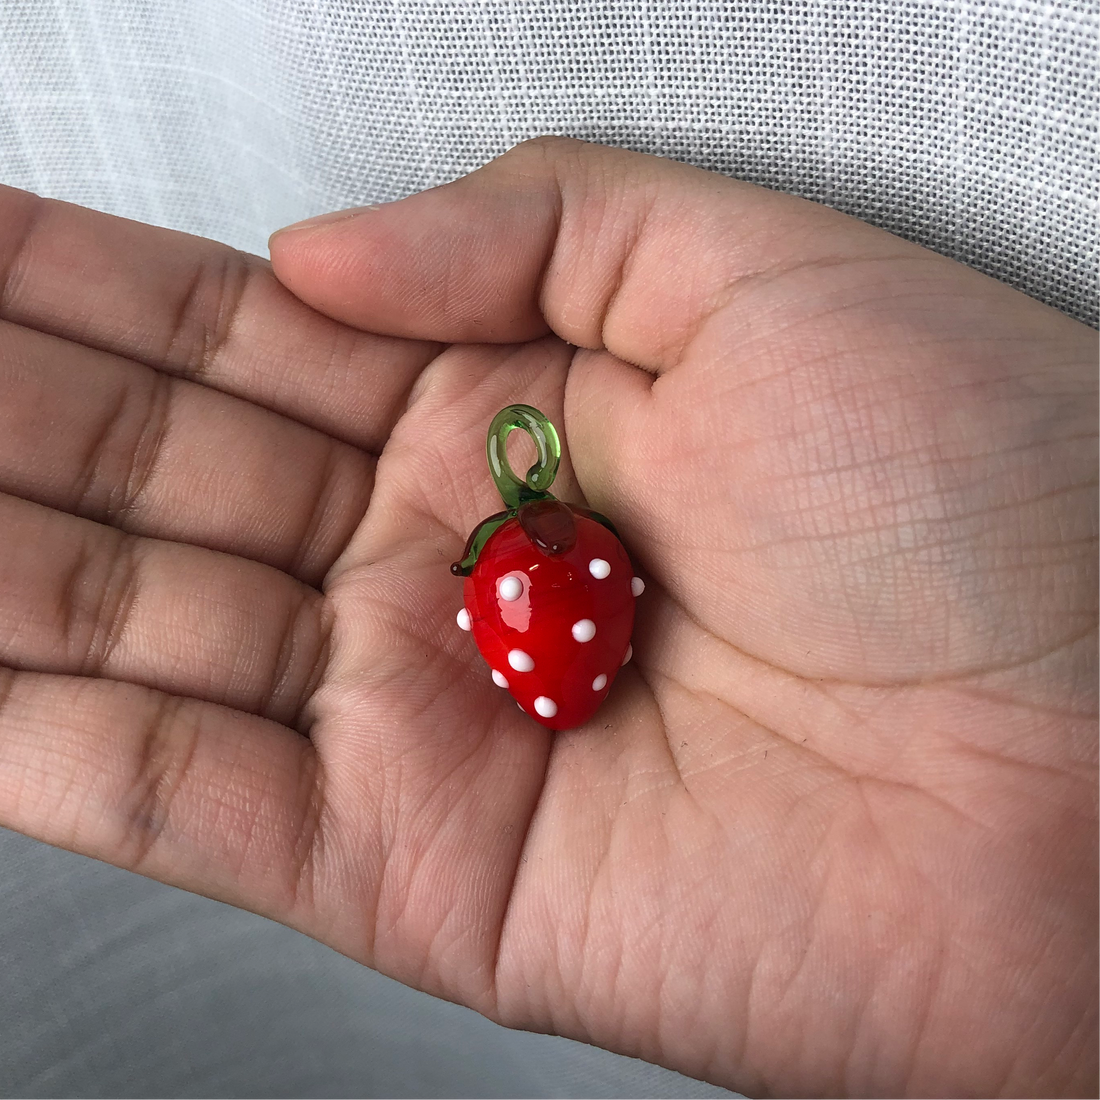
<point>91,433</point>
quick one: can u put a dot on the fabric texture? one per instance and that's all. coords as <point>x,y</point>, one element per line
<point>968,126</point>
<point>115,986</point>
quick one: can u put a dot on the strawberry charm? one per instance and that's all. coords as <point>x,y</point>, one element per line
<point>549,590</point>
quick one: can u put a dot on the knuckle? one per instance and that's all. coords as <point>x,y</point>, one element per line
<point>145,453</point>
<point>163,754</point>
<point>300,659</point>
<point>545,158</point>
<point>122,449</point>
<point>314,521</point>
<point>546,145</point>
<point>203,319</point>
<point>97,598</point>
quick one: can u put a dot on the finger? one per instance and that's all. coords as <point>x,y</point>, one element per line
<point>609,249</point>
<point>80,598</point>
<point>103,437</point>
<point>193,794</point>
<point>199,310</point>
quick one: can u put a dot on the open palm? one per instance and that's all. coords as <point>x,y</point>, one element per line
<point>834,829</point>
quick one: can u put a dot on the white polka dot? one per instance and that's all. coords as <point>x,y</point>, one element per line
<point>599,568</point>
<point>546,707</point>
<point>585,630</point>
<point>463,619</point>
<point>520,661</point>
<point>599,683</point>
<point>637,585</point>
<point>511,588</point>
<point>628,654</point>
<point>499,679</point>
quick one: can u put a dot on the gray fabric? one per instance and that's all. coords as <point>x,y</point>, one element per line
<point>966,125</point>
<point>115,986</point>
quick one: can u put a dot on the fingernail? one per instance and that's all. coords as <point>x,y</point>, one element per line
<point>323,219</point>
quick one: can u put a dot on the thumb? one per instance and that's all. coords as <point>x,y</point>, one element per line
<point>606,248</point>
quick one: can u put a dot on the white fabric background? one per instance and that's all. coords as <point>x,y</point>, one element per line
<point>967,125</point>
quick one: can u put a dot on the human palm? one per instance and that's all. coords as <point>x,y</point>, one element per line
<point>833,830</point>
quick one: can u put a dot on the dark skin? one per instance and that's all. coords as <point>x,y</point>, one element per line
<point>833,833</point>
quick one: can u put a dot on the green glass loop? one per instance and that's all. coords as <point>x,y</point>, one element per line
<point>540,477</point>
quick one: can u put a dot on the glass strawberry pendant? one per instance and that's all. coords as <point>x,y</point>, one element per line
<point>549,591</point>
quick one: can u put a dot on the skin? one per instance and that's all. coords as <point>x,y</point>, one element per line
<point>833,833</point>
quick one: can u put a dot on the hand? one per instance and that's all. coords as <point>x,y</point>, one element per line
<point>834,830</point>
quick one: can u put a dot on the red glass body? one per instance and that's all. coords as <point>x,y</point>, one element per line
<point>557,592</point>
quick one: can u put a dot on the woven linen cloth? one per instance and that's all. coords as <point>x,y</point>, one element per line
<point>968,126</point>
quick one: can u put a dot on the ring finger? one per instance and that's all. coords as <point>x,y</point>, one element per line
<point>80,598</point>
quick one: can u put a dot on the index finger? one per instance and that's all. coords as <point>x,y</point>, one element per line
<point>200,310</point>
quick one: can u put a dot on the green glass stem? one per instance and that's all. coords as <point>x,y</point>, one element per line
<point>551,527</point>
<point>540,477</point>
